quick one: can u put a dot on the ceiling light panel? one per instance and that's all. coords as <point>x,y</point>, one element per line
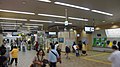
<point>19,12</point>
<point>10,23</point>
<point>57,16</point>
<point>34,24</point>
<point>41,21</point>
<point>48,15</point>
<point>101,12</point>
<point>70,5</point>
<point>77,19</point>
<point>45,1</point>
<point>62,23</point>
<point>13,19</point>
<point>30,26</point>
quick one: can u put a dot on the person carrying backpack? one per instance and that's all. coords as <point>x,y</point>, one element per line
<point>67,51</point>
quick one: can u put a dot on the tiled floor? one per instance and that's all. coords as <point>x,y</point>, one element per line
<point>99,59</point>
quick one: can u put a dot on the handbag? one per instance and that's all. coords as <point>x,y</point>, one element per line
<point>58,58</point>
<point>32,65</point>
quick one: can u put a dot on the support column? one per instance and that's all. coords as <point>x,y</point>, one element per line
<point>87,38</point>
<point>1,36</point>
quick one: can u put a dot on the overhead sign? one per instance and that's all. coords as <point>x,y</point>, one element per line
<point>66,23</point>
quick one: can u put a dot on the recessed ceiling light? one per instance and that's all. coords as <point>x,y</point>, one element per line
<point>103,21</point>
<point>45,1</point>
<point>70,5</point>
<point>13,19</point>
<point>101,12</point>
<point>19,12</point>
<point>23,2</point>
<point>112,22</point>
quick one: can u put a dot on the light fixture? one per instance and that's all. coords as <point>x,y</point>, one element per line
<point>45,1</point>
<point>115,26</point>
<point>70,5</point>
<point>41,21</point>
<point>34,24</point>
<point>112,23</point>
<point>10,23</point>
<point>97,28</point>
<point>103,21</point>
<point>77,19</point>
<point>30,26</point>
<point>62,23</point>
<point>57,16</point>
<point>101,12</point>
<point>19,12</point>
<point>13,19</point>
<point>48,15</point>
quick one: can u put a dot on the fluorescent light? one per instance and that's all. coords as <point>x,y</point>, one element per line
<point>57,16</point>
<point>62,23</point>
<point>77,19</point>
<point>13,19</point>
<point>48,15</point>
<point>9,23</point>
<point>70,5</point>
<point>41,21</point>
<point>45,1</point>
<point>101,12</point>
<point>34,24</point>
<point>1,10</point>
<point>70,23</point>
<point>30,26</point>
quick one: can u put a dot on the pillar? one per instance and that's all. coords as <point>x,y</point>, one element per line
<point>87,38</point>
<point>1,36</point>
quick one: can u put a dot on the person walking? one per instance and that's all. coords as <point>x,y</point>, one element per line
<point>59,52</point>
<point>3,58</point>
<point>67,51</point>
<point>14,54</point>
<point>52,56</point>
<point>115,57</point>
<point>38,59</point>
<point>118,44</point>
<point>84,49</point>
<point>73,47</point>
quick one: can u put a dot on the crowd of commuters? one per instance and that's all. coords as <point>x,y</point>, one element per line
<point>54,53</point>
<point>11,49</point>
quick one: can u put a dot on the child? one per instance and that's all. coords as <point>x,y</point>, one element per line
<point>14,54</point>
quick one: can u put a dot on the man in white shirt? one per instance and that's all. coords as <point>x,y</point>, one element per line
<point>52,56</point>
<point>115,57</point>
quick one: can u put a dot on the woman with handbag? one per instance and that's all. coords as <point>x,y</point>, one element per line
<point>38,59</point>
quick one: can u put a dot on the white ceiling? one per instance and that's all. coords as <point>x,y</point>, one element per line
<point>34,6</point>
